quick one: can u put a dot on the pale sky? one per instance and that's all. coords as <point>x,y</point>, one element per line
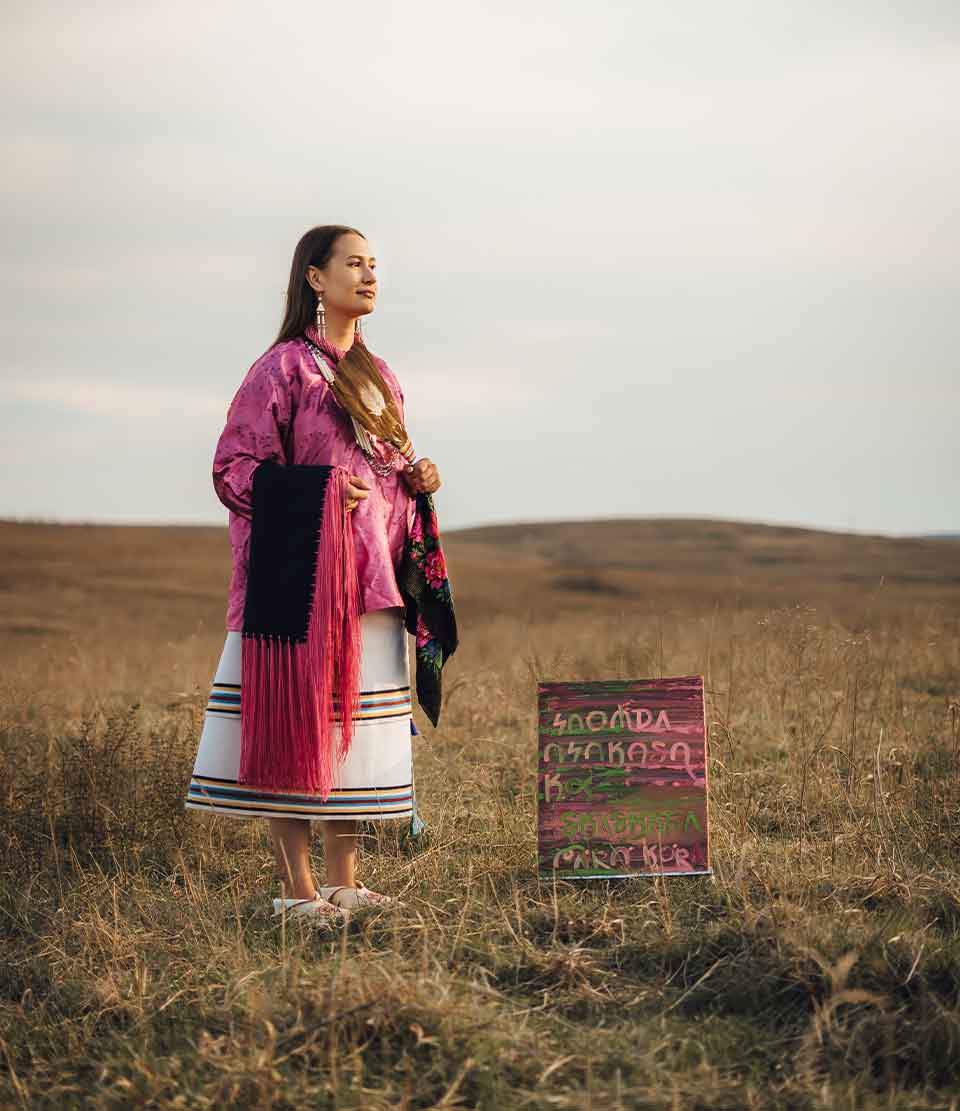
<point>645,259</point>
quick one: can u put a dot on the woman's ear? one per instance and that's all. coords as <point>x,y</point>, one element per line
<point>314,280</point>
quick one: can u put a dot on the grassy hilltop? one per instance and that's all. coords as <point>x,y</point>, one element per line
<point>819,967</point>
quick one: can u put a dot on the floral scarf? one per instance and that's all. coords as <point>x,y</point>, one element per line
<point>425,589</point>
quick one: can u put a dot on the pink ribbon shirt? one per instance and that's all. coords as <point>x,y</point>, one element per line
<point>285,410</point>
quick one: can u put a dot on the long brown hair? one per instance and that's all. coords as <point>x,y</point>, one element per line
<point>314,249</point>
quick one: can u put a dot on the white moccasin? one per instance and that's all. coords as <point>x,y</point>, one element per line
<point>317,907</point>
<point>353,898</point>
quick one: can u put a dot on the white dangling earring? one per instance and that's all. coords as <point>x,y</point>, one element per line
<point>321,317</point>
<point>357,327</point>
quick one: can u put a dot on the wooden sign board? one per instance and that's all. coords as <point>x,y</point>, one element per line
<point>622,778</point>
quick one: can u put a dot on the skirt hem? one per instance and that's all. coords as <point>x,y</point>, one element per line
<point>370,816</point>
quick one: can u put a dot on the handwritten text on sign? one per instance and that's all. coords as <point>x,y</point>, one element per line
<point>621,781</point>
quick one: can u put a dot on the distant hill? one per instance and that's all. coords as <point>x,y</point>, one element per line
<point>612,563</point>
<point>57,579</point>
<point>679,545</point>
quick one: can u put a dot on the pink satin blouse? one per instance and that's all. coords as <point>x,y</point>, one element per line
<point>285,410</point>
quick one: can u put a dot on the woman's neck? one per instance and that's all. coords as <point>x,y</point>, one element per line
<point>336,350</point>
<point>339,331</point>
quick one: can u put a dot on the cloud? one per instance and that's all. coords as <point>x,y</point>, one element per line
<point>130,403</point>
<point>568,202</point>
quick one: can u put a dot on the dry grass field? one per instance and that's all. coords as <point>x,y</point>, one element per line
<point>819,967</point>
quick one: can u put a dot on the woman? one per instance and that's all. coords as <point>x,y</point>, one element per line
<point>285,412</point>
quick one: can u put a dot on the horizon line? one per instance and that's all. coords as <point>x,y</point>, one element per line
<point>945,534</point>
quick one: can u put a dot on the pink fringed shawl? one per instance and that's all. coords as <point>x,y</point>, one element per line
<point>301,647</point>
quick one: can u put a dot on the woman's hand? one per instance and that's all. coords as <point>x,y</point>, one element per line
<point>357,490</point>
<point>422,477</point>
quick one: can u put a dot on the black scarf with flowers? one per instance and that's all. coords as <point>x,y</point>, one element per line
<point>422,581</point>
<point>429,616</point>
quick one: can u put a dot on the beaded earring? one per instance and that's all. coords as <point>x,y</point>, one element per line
<point>321,316</point>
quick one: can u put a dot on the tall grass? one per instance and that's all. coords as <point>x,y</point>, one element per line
<point>819,967</point>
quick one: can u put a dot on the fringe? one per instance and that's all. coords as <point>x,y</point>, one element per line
<point>288,687</point>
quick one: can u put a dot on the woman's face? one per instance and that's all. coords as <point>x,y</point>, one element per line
<point>349,280</point>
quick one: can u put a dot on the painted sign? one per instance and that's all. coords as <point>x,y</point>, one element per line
<point>622,778</point>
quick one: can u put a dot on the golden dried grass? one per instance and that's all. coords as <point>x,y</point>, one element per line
<point>818,967</point>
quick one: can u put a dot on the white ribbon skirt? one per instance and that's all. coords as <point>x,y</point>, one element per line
<point>376,778</point>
